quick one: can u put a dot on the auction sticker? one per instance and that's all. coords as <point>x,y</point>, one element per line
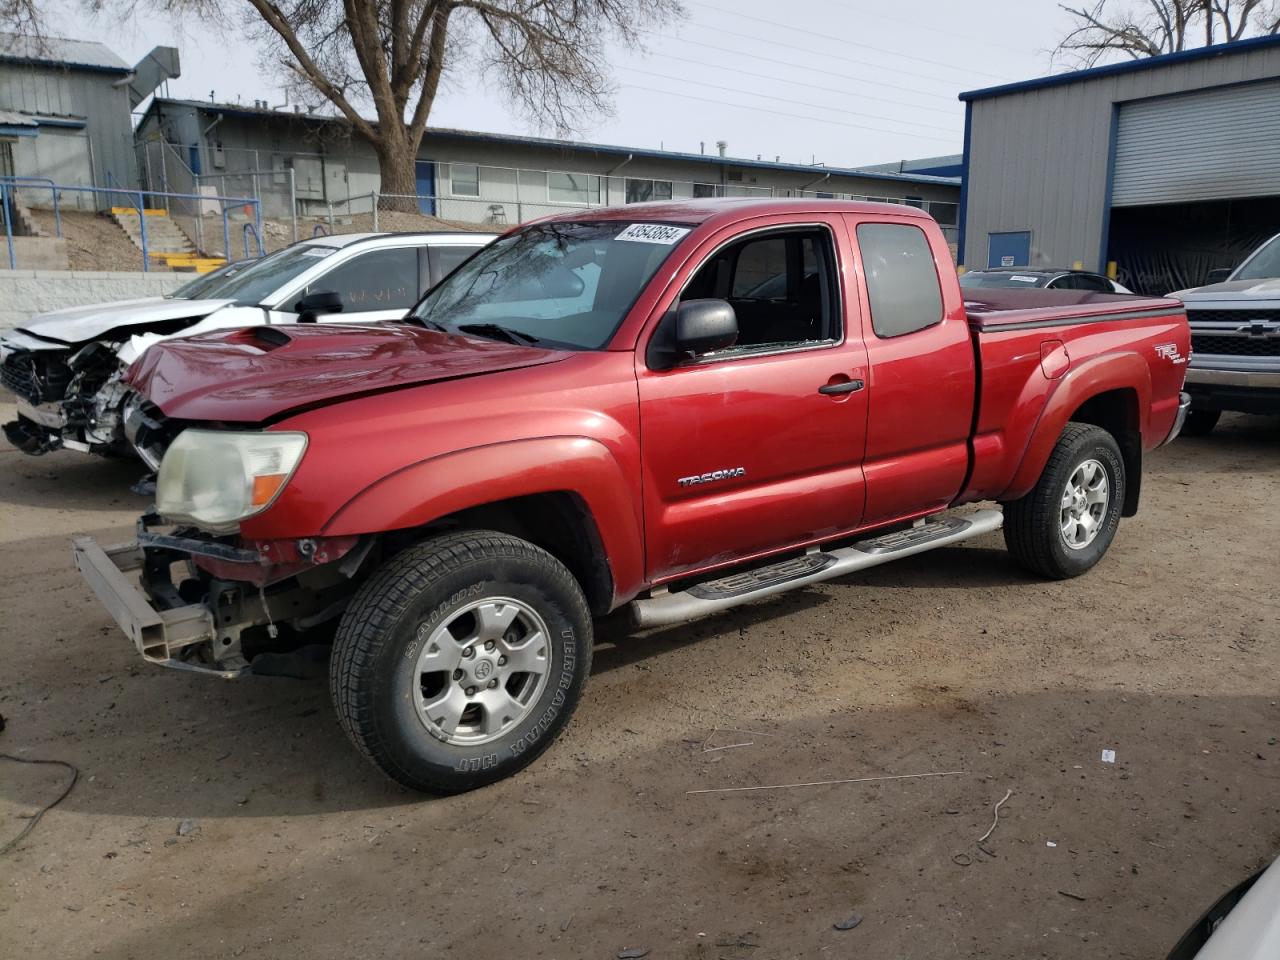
<point>653,233</point>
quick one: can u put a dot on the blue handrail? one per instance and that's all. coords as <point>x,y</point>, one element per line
<point>53,190</point>
<point>137,199</point>
<point>8,226</point>
<point>251,230</point>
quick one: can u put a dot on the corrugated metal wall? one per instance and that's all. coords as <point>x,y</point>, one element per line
<point>1038,158</point>
<point>1210,145</point>
<point>89,95</point>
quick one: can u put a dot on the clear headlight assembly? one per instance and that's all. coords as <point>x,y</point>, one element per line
<point>216,478</point>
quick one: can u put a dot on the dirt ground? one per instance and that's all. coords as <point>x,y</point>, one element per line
<point>953,661</point>
<point>94,242</point>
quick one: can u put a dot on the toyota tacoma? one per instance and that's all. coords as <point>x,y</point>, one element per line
<point>673,408</point>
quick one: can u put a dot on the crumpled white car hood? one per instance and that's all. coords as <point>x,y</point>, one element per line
<point>80,324</point>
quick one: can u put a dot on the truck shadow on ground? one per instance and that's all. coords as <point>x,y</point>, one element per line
<point>168,744</point>
<point>1084,850</point>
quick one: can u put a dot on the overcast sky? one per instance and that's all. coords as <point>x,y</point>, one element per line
<point>841,82</point>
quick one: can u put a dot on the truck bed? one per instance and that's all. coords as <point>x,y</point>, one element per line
<point>998,310</point>
<point>1073,337</point>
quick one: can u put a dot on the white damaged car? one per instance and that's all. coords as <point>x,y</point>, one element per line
<point>64,368</point>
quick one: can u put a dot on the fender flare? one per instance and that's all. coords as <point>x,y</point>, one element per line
<point>424,491</point>
<point>1102,374</point>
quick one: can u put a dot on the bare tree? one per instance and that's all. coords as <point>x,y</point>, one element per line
<point>548,56</point>
<point>21,18</point>
<point>1149,28</point>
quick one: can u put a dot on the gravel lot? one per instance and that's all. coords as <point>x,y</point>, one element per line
<point>953,661</point>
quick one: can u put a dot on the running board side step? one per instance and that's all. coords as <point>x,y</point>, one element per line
<point>712,596</point>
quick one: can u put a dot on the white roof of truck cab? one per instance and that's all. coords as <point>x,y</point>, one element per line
<point>428,239</point>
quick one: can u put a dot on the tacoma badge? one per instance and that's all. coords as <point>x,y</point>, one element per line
<point>728,474</point>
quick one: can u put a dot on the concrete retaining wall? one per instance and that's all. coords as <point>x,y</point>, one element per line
<point>24,293</point>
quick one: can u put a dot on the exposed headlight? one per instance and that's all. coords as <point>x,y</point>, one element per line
<point>215,479</point>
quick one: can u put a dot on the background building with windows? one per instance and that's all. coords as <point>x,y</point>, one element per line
<point>288,156</point>
<point>1167,167</point>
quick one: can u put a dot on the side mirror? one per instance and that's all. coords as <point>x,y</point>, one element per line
<point>1220,275</point>
<point>696,326</point>
<point>314,304</point>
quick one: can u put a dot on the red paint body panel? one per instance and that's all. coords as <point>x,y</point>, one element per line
<point>241,376</point>
<point>801,451</point>
<point>408,425</point>
<point>922,388</point>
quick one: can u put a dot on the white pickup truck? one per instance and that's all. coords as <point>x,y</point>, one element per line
<point>64,367</point>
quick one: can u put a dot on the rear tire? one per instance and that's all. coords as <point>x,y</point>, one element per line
<point>1066,523</point>
<point>426,673</point>
<point>1200,423</point>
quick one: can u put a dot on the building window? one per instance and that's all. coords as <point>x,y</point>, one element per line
<point>464,179</point>
<point>944,213</point>
<point>640,191</point>
<point>703,190</point>
<point>914,202</point>
<point>573,188</point>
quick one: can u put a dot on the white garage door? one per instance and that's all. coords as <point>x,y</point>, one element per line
<point>1208,145</point>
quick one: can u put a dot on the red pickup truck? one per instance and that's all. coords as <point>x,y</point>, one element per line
<point>674,407</point>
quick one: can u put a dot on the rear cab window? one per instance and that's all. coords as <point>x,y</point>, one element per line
<point>446,258</point>
<point>902,278</point>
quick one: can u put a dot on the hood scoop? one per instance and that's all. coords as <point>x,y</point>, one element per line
<point>265,337</point>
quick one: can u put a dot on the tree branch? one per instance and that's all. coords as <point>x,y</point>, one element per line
<point>307,68</point>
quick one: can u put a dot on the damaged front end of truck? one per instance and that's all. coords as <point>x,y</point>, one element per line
<point>212,604</point>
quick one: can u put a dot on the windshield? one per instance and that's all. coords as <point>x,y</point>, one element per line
<point>1025,281</point>
<point>204,285</point>
<point>254,284</point>
<point>565,284</point>
<point>1265,264</point>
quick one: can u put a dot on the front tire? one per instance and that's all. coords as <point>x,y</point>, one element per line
<point>1064,526</point>
<point>460,661</point>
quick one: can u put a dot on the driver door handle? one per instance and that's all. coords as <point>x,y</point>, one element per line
<point>845,386</point>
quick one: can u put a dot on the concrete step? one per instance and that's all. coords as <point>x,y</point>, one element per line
<point>164,237</point>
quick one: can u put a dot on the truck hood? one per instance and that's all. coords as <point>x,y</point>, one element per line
<point>258,373</point>
<point>81,324</point>
<point>1232,290</point>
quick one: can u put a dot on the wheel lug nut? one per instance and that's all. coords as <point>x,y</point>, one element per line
<point>471,691</point>
<point>489,645</point>
<point>457,674</point>
<point>492,684</point>
<point>502,661</point>
<point>469,652</point>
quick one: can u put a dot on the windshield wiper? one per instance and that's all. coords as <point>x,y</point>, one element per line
<point>499,332</point>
